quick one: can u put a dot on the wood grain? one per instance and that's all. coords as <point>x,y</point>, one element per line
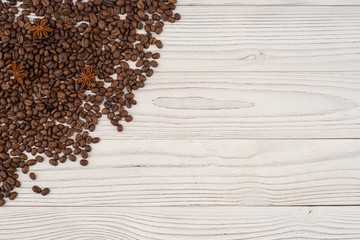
<point>180,224</point>
<point>275,38</point>
<point>267,2</point>
<point>244,105</point>
<point>203,173</point>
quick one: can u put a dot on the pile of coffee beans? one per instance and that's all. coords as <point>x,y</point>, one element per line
<point>45,114</point>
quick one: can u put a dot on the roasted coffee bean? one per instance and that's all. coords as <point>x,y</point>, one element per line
<point>32,176</point>
<point>36,189</point>
<point>84,162</point>
<point>39,158</point>
<point>53,162</point>
<point>63,75</point>
<point>45,191</point>
<point>13,195</point>
<point>84,154</point>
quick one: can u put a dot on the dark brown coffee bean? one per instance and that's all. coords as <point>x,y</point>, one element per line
<point>53,109</point>
<point>25,169</point>
<point>31,162</point>
<point>13,195</point>
<point>32,176</point>
<point>39,158</point>
<point>159,44</point>
<point>36,189</point>
<point>53,162</point>
<point>153,64</point>
<point>45,191</point>
<point>156,56</point>
<point>84,154</point>
<point>84,162</point>
<point>72,158</point>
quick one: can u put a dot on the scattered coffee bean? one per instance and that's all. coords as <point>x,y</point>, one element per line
<point>36,189</point>
<point>32,176</point>
<point>54,79</point>
<point>45,191</point>
<point>13,195</point>
<point>84,162</point>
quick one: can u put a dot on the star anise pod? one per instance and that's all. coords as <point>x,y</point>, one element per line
<point>40,29</point>
<point>87,78</point>
<point>18,72</point>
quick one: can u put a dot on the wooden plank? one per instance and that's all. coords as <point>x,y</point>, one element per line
<point>277,38</point>
<point>180,223</point>
<point>203,173</point>
<point>244,105</point>
<point>268,2</point>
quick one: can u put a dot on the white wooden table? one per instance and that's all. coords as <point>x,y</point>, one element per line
<point>250,129</point>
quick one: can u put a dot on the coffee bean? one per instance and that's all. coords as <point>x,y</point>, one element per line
<point>13,195</point>
<point>45,191</point>
<point>82,63</point>
<point>159,44</point>
<point>156,56</point>
<point>84,162</point>
<point>25,169</point>
<point>153,64</point>
<point>32,176</point>
<point>53,162</point>
<point>39,158</point>
<point>36,189</point>
<point>84,154</point>
<point>120,128</point>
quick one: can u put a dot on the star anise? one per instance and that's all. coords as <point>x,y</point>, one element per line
<point>40,29</point>
<point>18,72</point>
<point>87,78</point>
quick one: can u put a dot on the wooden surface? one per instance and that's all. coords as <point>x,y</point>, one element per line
<point>268,2</point>
<point>204,173</point>
<point>113,223</point>
<point>263,38</point>
<point>250,129</point>
<point>238,105</point>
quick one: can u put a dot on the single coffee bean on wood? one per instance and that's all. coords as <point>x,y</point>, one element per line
<point>60,62</point>
<point>32,176</point>
<point>45,191</point>
<point>36,189</point>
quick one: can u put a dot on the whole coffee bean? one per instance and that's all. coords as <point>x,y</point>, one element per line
<point>39,158</point>
<point>32,176</point>
<point>13,195</point>
<point>45,191</point>
<point>36,189</point>
<point>54,82</point>
<point>72,158</point>
<point>53,162</point>
<point>25,169</point>
<point>156,56</point>
<point>84,154</point>
<point>84,162</point>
